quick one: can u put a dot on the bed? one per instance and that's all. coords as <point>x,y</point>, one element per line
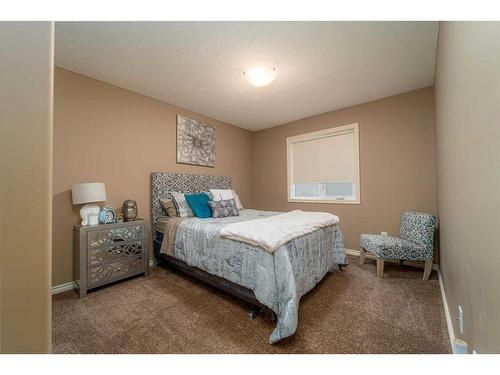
<point>274,281</point>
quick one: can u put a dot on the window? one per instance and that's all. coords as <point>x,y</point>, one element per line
<point>323,166</point>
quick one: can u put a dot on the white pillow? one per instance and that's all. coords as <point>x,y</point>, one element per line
<point>237,200</point>
<point>221,194</point>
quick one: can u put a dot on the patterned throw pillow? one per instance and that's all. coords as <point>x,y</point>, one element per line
<point>169,207</point>
<point>224,208</point>
<point>182,205</point>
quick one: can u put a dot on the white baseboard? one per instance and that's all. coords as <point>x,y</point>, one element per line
<point>352,252</point>
<point>72,285</point>
<point>356,253</point>
<point>63,287</point>
<point>451,332</point>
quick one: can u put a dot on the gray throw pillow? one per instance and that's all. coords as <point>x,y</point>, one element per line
<point>224,208</point>
<point>169,207</point>
<point>182,205</point>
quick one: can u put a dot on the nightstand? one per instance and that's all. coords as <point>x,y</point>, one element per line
<point>107,253</point>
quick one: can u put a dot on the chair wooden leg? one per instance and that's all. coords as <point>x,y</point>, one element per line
<point>380,268</point>
<point>427,269</point>
<point>362,254</point>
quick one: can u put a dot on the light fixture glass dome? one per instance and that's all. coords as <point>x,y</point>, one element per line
<point>260,75</point>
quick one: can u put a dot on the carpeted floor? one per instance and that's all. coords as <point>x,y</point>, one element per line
<point>348,312</point>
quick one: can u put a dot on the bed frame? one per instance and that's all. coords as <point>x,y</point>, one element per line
<point>162,184</point>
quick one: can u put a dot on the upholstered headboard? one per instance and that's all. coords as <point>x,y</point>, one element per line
<point>163,183</point>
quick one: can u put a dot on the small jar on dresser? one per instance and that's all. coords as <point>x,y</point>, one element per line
<point>109,252</point>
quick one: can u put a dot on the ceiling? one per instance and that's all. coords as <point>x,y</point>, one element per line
<point>322,66</point>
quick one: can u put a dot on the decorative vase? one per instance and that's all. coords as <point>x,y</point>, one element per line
<point>129,210</point>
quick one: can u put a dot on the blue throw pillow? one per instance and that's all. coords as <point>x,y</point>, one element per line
<point>199,204</point>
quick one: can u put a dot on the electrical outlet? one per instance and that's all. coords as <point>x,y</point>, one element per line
<point>460,320</point>
<point>383,233</point>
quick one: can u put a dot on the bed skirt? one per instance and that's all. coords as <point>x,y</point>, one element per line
<point>234,289</point>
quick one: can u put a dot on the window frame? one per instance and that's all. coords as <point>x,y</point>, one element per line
<point>338,130</point>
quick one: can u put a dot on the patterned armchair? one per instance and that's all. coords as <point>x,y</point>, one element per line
<point>415,242</point>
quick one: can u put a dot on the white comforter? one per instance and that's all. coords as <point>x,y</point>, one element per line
<point>272,232</point>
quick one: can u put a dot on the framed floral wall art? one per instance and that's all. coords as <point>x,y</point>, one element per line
<point>195,142</point>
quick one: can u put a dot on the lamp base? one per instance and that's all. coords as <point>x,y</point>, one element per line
<point>90,214</point>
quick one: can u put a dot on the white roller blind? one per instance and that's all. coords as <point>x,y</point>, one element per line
<point>328,157</point>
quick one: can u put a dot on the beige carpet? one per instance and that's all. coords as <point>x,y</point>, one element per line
<point>348,312</point>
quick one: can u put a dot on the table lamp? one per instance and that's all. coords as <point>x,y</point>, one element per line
<point>89,192</point>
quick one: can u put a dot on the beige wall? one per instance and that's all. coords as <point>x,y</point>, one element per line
<point>103,133</point>
<point>397,163</point>
<point>468,154</point>
<point>94,120</point>
<point>26,65</point>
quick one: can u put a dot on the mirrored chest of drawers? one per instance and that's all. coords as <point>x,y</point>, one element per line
<point>109,252</point>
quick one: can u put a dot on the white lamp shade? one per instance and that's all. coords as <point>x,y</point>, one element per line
<point>88,192</point>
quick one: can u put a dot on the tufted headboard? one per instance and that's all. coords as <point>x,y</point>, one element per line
<point>163,183</point>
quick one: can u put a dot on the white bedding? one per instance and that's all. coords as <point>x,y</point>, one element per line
<point>272,232</point>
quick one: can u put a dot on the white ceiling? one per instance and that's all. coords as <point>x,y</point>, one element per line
<point>322,66</point>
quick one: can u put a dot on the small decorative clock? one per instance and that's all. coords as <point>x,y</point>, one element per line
<point>107,215</point>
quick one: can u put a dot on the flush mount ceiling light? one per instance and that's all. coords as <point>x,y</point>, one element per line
<point>260,75</point>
